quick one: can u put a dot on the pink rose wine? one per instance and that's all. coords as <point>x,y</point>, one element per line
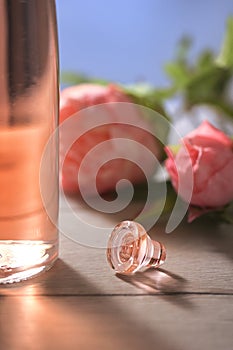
<point>28,233</point>
<point>28,119</point>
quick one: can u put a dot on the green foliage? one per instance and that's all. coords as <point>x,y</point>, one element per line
<point>225,58</point>
<point>206,80</point>
<point>72,78</point>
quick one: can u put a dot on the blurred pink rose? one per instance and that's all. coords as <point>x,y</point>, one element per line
<point>211,155</point>
<point>80,97</point>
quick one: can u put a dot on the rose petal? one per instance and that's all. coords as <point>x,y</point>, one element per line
<point>207,135</point>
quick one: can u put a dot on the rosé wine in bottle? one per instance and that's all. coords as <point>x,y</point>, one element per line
<point>28,140</point>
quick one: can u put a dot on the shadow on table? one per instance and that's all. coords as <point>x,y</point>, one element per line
<point>155,281</point>
<point>71,312</point>
<point>161,282</point>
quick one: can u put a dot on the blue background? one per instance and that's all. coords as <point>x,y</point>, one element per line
<point>130,40</point>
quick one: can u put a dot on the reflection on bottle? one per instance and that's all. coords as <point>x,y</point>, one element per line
<point>29,115</point>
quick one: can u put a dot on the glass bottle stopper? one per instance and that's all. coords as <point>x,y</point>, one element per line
<point>131,249</point>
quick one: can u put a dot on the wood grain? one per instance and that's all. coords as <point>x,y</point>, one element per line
<point>122,322</point>
<point>81,304</point>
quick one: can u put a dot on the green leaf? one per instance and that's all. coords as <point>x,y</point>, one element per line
<point>225,58</point>
<point>205,59</point>
<point>174,148</point>
<point>207,79</point>
<point>178,74</point>
<point>222,215</point>
<point>72,78</point>
<point>159,207</point>
<point>207,85</point>
<point>183,49</point>
<point>146,95</point>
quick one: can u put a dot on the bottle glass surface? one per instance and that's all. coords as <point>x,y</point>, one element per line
<point>28,119</point>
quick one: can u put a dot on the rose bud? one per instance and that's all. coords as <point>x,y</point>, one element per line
<point>209,153</point>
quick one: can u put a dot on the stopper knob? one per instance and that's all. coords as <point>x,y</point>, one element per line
<point>131,249</point>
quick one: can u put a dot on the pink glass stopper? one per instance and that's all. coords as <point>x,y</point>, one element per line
<point>131,249</point>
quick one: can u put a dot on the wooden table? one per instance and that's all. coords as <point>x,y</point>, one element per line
<point>81,304</point>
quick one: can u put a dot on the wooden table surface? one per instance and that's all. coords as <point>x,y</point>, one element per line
<point>81,304</point>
